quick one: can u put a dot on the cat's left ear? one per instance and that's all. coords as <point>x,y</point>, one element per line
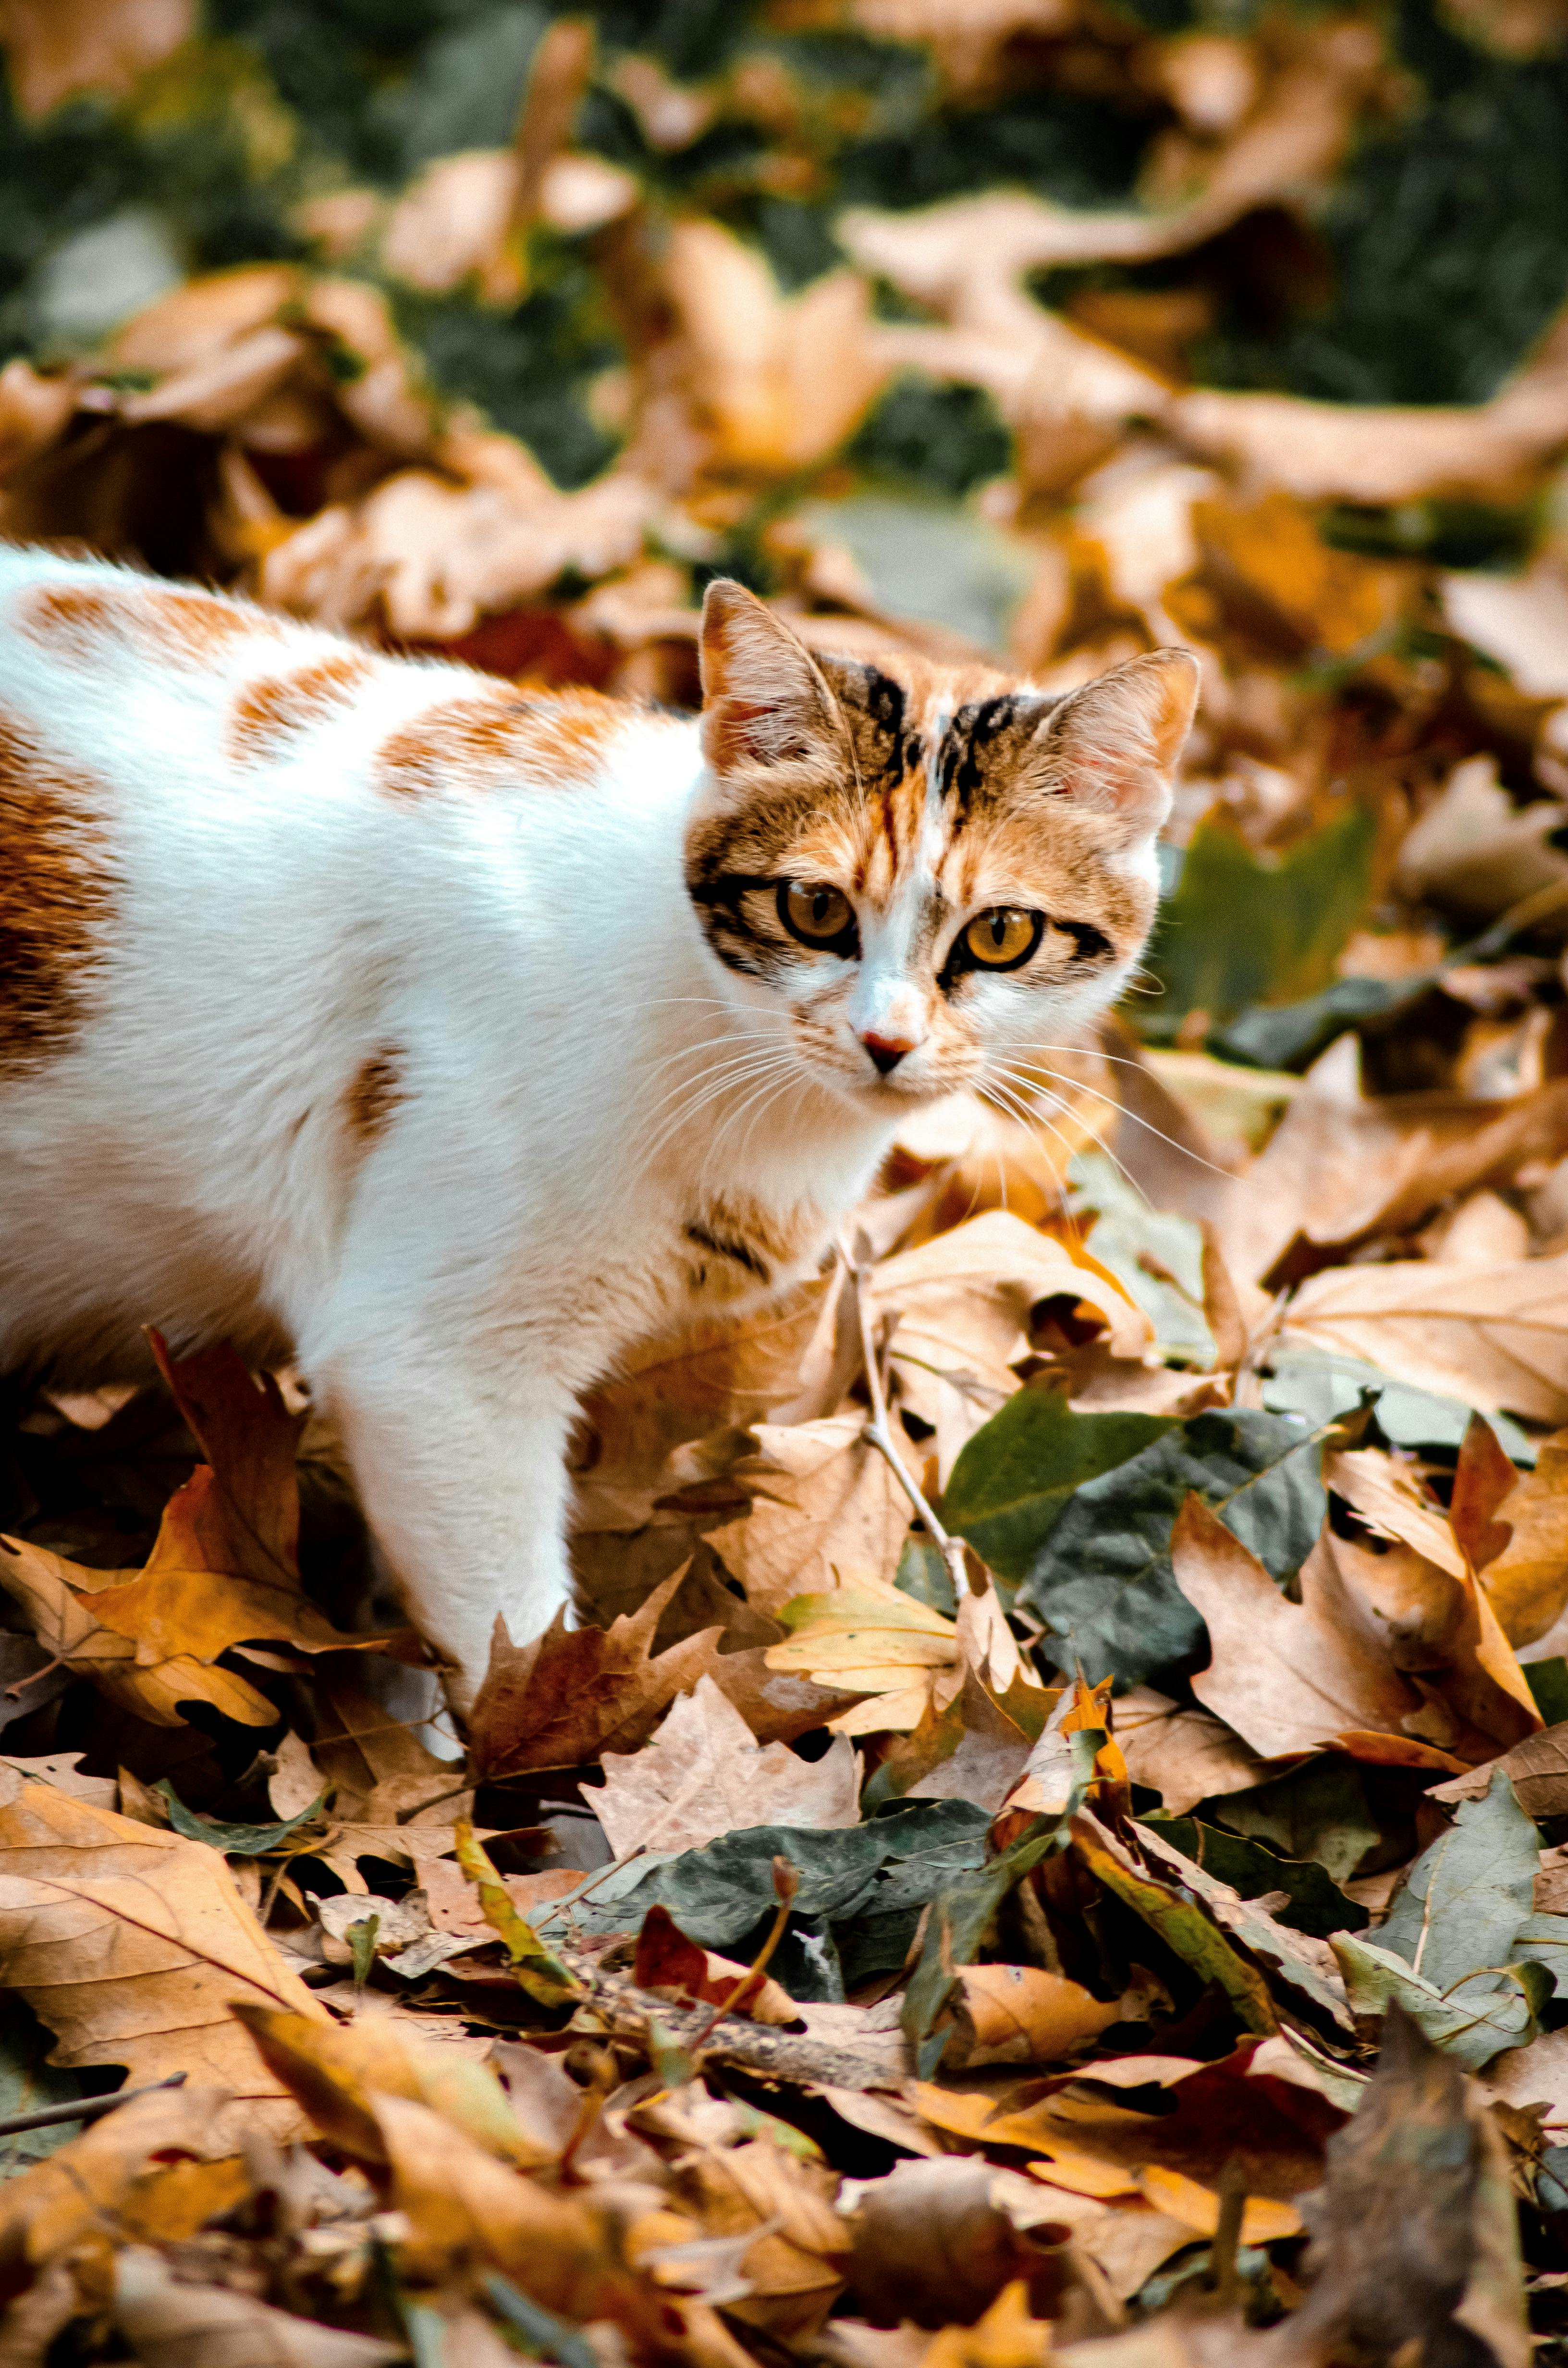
<point>1113,745</point>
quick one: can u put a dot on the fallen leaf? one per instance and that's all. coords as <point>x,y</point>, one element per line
<point>570,1695</point>
<point>48,2206</point>
<point>822,1500</point>
<point>703,1774</point>
<point>335,2071</point>
<point>1104,1580</point>
<point>1526,1582</point>
<point>129,1943</point>
<point>180,2325</point>
<point>1494,1336</point>
<point>1198,2207</point>
<point>1414,2231</point>
<point>1286,1677</point>
<point>1468,1895</point>
<point>1020,2014</point>
<point>668,1961</point>
<point>466,2210</point>
<point>55,49</point>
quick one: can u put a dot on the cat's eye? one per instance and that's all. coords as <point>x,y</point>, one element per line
<point>1001,938</point>
<point>817,914</point>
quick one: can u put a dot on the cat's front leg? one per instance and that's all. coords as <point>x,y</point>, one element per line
<point>461,1468</point>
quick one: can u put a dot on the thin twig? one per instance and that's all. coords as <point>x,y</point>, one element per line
<point>878,1432</point>
<point>85,2109</point>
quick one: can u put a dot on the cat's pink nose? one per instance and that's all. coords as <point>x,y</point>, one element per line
<point>887,1051</point>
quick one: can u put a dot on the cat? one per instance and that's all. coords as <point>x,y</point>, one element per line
<point>449,1037</point>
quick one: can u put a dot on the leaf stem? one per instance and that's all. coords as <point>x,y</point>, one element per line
<point>878,1432</point>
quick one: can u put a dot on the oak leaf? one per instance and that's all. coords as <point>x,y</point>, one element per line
<point>704,1774</point>
<point>129,1943</point>
<point>45,2208</point>
<point>570,1695</point>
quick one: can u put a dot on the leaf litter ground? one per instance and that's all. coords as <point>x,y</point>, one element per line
<point>1053,1839</point>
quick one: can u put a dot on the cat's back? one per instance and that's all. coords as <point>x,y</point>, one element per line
<point>238,857</point>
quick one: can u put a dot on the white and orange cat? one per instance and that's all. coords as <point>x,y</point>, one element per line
<point>450,1037</point>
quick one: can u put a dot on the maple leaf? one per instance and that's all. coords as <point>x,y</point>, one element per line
<point>131,1942</point>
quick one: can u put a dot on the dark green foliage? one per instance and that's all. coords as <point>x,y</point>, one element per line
<point>1244,928</point>
<point>1102,1579</point>
<point>526,369</point>
<point>1014,1478</point>
<point>862,1889</point>
<point>1316,1904</point>
<point>1447,232</point>
<point>943,439</point>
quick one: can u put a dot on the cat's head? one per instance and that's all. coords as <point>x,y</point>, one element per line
<point>914,873</point>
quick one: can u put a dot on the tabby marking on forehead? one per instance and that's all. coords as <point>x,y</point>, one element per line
<point>375,1091</point>
<point>273,712</point>
<point>486,737</point>
<point>189,628</point>
<point>54,896</point>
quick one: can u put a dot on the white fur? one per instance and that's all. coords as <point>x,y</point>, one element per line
<point>185,1161</point>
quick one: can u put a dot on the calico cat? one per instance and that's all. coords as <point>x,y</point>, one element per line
<point>450,1037</point>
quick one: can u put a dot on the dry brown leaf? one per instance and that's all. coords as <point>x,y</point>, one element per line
<point>131,1944</point>
<point>175,2324</point>
<point>936,2242</point>
<point>55,49</point>
<point>778,382</point>
<point>1527,1583</point>
<point>704,1774</point>
<point>1286,1677</point>
<point>334,2070</point>
<point>784,1361</point>
<point>570,1695</point>
<point>1007,2335</point>
<point>466,2210</point>
<point>962,1304</point>
<point>1185,1756</point>
<point>47,2207</point>
<point>1342,1167</point>
<point>795,2265</point>
<point>668,1962</point>
<point>224,1569</point>
<point>1022,2014</point>
<point>821,1501</point>
<point>1437,1624</point>
<point>1495,1337</point>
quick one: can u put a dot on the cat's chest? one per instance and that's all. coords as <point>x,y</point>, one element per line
<point>730,1247</point>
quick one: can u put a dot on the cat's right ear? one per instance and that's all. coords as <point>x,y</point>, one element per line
<point>764,698</point>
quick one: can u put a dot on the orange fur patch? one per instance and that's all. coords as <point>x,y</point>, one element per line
<point>271,713</point>
<point>375,1091</point>
<point>54,896</point>
<point>544,739</point>
<point>76,620</point>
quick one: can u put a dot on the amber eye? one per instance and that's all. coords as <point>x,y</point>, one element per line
<point>1002,937</point>
<point>816,915</point>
